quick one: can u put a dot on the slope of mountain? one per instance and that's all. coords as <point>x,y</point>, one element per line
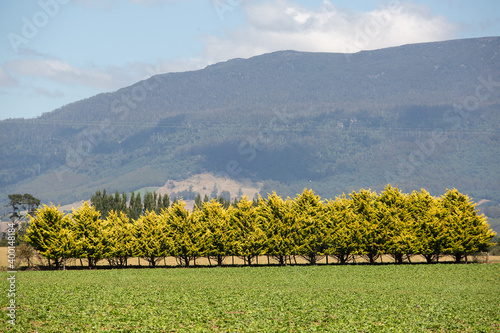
<point>421,115</point>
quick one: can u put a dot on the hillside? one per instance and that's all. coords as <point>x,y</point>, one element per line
<point>286,120</point>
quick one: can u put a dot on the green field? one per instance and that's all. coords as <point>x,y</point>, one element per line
<point>355,298</point>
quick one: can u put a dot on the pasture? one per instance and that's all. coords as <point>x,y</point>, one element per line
<point>353,298</point>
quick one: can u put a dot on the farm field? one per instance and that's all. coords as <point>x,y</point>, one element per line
<point>354,298</point>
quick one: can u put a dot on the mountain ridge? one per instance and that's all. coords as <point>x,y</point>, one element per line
<point>289,119</point>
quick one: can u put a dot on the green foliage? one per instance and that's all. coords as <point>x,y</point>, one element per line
<point>466,231</point>
<point>249,237</point>
<point>369,210</point>
<point>18,201</point>
<point>279,223</point>
<point>342,229</point>
<point>426,212</point>
<point>104,203</point>
<point>151,238</point>
<point>50,232</point>
<point>364,223</point>
<point>185,232</point>
<point>120,237</point>
<point>218,235</point>
<point>92,240</point>
<point>307,209</point>
<point>400,236</point>
<point>135,209</point>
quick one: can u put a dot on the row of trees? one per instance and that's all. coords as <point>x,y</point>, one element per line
<point>362,223</point>
<point>137,206</point>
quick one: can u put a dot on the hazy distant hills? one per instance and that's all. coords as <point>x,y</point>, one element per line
<point>422,115</point>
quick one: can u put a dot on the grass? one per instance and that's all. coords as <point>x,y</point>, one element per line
<point>381,298</point>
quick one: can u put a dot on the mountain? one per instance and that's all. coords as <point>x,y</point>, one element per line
<point>421,115</point>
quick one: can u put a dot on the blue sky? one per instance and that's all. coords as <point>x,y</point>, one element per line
<point>54,52</point>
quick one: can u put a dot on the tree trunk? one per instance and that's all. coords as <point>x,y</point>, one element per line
<point>398,258</point>
<point>409,258</point>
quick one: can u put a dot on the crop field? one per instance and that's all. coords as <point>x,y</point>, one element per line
<point>353,298</point>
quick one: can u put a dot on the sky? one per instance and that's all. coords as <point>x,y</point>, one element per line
<point>54,52</point>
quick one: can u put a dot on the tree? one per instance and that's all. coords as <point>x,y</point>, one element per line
<point>92,240</point>
<point>366,206</point>
<point>466,231</point>
<point>184,231</point>
<point>249,237</point>
<point>217,239</point>
<point>399,228</point>
<point>31,203</point>
<point>16,202</point>
<point>166,201</point>
<point>104,203</point>
<point>342,229</point>
<point>135,206</point>
<point>121,238</point>
<point>427,216</point>
<point>50,233</point>
<point>278,222</point>
<point>197,201</point>
<point>149,202</point>
<point>152,241</point>
<point>307,209</point>
<point>25,201</point>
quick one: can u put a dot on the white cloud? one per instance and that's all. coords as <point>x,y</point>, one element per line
<point>47,93</point>
<point>108,78</point>
<point>60,71</point>
<point>270,26</point>
<point>283,24</point>
<point>6,80</point>
<point>105,79</point>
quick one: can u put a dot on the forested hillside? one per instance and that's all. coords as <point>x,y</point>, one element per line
<point>423,115</point>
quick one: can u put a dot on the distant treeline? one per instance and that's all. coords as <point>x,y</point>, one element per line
<point>152,201</point>
<point>363,223</point>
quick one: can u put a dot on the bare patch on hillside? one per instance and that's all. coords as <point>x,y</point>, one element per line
<point>205,183</point>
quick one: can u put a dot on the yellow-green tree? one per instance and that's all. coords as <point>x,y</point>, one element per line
<point>278,221</point>
<point>49,233</point>
<point>121,238</point>
<point>398,228</point>
<point>427,216</point>
<point>250,239</point>
<point>152,241</point>
<point>341,229</point>
<point>91,234</point>
<point>307,209</point>
<point>185,233</point>
<point>466,231</point>
<point>217,236</point>
<point>367,207</point>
